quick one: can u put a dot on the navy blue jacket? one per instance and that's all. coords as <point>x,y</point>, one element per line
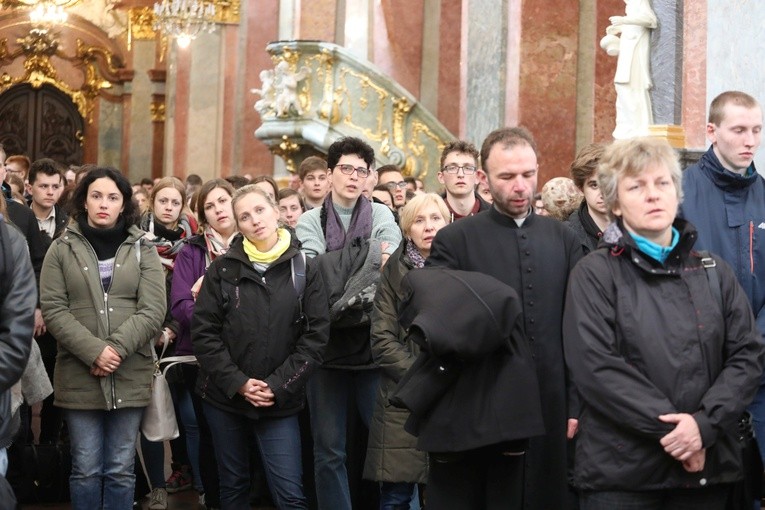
<point>728,211</point>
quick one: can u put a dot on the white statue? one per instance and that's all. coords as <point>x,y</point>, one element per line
<point>286,83</point>
<point>266,92</point>
<point>632,79</point>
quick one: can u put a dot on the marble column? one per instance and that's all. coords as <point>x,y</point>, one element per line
<point>485,55</point>
<point>667,72</point>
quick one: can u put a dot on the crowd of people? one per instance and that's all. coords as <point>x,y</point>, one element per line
<point>468,349</point>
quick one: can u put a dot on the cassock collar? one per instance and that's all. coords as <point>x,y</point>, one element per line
<point>507,221</point>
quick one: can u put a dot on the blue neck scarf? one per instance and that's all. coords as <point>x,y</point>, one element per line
<point>656,251</point>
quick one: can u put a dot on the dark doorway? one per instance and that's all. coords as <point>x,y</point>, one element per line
<point>41,123</point>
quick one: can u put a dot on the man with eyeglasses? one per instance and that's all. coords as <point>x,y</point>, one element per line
<point>348,373</point>
<point>458,174</point>
<point>390,177</point>
<point>534,255</point>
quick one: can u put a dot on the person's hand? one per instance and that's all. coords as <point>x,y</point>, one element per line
<point>40,328</point>
<point>108,361</point>
<point>385,257</point>
<point>572,427</point>
<point>695,462</point>
<point>257,393</point>
<point>94,370</point>
<point>685,439</point>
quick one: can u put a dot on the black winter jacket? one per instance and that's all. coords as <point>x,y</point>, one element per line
<point>474,383</point>
<point>248,325</point>
<point>644,339</point>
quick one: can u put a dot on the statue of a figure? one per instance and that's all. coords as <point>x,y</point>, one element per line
<point>286,83</point>
<point>266,92</point>
<point>632,79</point>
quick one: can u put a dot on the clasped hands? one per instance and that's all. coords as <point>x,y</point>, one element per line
<point>684,443</point>
<point>106,363</point>
<point>257,393</point>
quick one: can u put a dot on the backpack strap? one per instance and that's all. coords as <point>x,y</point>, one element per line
<point>710,267</point>
<point>298,281</point>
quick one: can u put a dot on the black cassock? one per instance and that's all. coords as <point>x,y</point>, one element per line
<point>535,259</point>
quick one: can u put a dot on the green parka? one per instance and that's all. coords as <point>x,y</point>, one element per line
<point>392,454</point>
<point>84,318</point>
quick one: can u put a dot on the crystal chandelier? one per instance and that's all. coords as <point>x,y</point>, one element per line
<point>184,19</point>
<point>42,13</point>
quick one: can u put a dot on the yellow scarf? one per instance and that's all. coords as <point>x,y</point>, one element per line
<point>282,243</point>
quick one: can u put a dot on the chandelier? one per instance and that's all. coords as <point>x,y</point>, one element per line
<point>42,12</point>
<point>184,19</point>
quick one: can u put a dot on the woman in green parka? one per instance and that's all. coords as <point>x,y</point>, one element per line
<point>392,456</point>
<point>103,298</point>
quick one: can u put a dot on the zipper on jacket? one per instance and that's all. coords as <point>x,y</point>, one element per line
<point>108,328</point>
<point>751,247</point>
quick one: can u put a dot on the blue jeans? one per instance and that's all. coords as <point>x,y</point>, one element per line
<point>709,498</point>
<point>103,451</point>
<point>328,394</point>
<point>399,496</point>
<point>279,442</point>
<point>184,409</point>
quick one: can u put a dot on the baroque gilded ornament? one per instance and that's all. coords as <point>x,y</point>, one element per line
<point>39,46</point>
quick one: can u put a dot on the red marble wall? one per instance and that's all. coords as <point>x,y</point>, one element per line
<point>317,20</point>
<point>605,67</point>
<point>230,108</point>
<point>451,96</point>
<point>262,28</point>
<point>547,92</point>
<point>694,117</point>
<point>397,41</point>
<point>181,99</point>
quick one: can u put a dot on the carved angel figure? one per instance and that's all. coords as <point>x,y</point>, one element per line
<point>286,84</point>
<point>266,92</point>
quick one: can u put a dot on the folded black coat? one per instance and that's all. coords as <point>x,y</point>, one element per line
<point>474,383</point>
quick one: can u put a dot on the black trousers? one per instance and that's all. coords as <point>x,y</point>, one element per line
<point>483,479</point>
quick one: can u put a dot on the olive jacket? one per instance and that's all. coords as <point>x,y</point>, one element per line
<point>85,318</point>
<point>392,454</point>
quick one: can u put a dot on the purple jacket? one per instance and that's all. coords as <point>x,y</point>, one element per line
<point>189,266</point>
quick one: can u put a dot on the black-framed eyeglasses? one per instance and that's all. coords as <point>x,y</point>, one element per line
<point>454,168</point>
<point>394,185</point>
<point>349,169</point>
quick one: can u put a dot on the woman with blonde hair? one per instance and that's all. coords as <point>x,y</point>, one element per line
<point>662,346</point>
<point>260,327</point>
<point>392,457</point>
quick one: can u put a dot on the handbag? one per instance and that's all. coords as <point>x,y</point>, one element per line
<point>158,422</point>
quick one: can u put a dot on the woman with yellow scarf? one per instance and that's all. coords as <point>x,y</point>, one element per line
<point>260,326</point>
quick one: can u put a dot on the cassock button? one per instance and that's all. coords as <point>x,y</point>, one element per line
<point>523,236</point>
<point>529,286</point>
<point>528,253</point>
<point>531,303</point>
<point>531,339</point>
<point>531,320</point>
<point>528,270</point>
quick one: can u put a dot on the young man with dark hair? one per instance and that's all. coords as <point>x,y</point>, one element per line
<point>458,174</point>
<point>724,198</point>
<point>390,177</point>
<point>533,255</point>
<point>591,218</point>
<point>314,181</point>
<point>346,232</point>
<point>46,181</point>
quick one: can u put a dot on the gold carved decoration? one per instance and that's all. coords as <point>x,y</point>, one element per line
<point>157,109</point>
<point>378,133</point>
<point>141,23</point>
<point>227,11</point>
<point>286,149</point>
<point>39,46</point>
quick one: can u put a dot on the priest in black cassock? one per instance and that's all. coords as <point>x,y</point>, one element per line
<point>534,255</point>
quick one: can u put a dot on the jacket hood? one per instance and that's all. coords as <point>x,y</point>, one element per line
<point>723,178</point>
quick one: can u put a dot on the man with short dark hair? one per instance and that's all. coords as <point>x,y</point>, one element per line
<point>314,181</point>
<point>533,255</point>
<point>724,198</point>
<point>346,232</point>
<point>458,174</point>
<point>390,177</point>
<point>46,180</point>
